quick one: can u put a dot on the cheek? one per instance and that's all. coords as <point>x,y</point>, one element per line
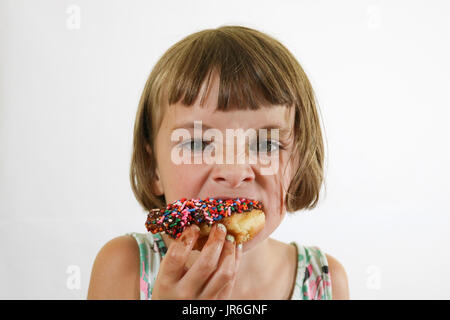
<point>179,181</point>
<point>183,181</point>
<point>275,189</point>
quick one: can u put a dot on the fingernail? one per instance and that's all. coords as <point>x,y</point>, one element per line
<point>230,238</point>
<point>222,227</point>
<point>239,246</point>
<point>195,227</point>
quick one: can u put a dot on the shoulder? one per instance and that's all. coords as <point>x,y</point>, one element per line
<point>118,259</point>
<point>339,279</point>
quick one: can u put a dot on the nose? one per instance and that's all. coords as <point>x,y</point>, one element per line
<point>233,175</point>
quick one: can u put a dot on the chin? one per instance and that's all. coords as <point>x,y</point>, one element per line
<point>257,240</point>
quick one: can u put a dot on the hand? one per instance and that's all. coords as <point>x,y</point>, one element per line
<point>211,277</point>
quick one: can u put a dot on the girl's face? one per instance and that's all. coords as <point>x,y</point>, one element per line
<point>224,179</point>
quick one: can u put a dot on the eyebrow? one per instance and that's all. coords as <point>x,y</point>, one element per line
<point>283,131</point>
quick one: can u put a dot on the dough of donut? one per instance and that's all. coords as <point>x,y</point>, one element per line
<point>243,226</point>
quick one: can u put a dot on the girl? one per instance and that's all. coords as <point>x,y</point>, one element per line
<point>232,77</point>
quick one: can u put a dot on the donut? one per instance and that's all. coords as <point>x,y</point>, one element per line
<point>242,217</point>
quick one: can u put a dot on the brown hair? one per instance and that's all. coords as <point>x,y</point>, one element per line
<point>255,70</point>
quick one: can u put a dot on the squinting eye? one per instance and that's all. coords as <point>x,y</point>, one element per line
<point>266,146</point>
<point>194,145</point>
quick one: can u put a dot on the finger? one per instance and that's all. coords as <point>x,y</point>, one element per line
<point>185,269</point>
<point>173,264</point>
<point>225,270</point>
<point>226,291</point>
<point>207,261</point>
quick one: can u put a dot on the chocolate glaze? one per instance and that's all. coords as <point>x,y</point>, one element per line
<point>178,215</point>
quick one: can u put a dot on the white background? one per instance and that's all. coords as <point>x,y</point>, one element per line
<point>68,99</point>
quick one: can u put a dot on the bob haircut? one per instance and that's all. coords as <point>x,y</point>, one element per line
<point>255,70</point>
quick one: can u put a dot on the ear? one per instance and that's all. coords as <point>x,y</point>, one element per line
<point>159,190</point>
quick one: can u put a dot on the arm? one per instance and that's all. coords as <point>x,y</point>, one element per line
<point>115,273</point>
<point>339,280</point>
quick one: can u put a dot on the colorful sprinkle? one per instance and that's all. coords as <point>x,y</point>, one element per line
<point>177,216</point>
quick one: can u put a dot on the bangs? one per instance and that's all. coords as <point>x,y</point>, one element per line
<point>252,72</point>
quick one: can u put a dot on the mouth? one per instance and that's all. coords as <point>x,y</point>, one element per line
<point>224,198</point>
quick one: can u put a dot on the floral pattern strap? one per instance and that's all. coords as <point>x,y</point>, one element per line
<point>313,279</point>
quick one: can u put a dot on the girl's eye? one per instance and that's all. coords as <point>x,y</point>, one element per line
<point>194,145</point>
<point>266,146</point>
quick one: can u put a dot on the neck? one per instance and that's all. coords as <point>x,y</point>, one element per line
<point>255,267</point>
